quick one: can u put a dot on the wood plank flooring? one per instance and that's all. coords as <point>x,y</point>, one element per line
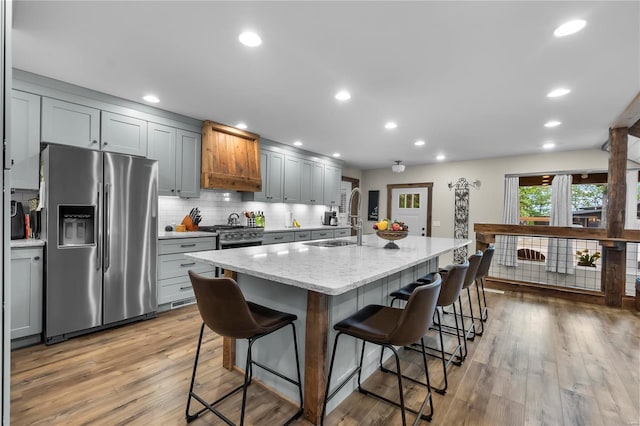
<point>540,362</point>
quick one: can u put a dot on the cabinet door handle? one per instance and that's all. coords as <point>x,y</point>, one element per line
<point>188,245</point>
<point>36,258</point>
<point>188,264</point>
<point>94,141</point>
<point>173,190</point>
<point>185,288</point>
<point>278,238</point>
<point>105,143</point>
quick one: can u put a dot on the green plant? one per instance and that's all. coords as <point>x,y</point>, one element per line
<point>587,259</point>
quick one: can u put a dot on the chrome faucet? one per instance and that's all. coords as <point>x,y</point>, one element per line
<point>356,220</point>
<point>233,221</point>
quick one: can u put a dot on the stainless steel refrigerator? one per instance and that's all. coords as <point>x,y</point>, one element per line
<point>100,226</point>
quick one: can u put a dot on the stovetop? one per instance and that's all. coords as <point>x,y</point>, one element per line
<point>235,235</point>
<point>216,228</point>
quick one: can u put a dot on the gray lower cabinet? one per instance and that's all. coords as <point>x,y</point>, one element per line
<point>322,234</point>
<point>295,235</point>
<point>66,123</point>
<point>278,237</point>
<point>342,232</point>
<point>24,140</point>
<point>26,292</point>
<point>302,235</point>
<point>174,285</point>
<point>124,135</point>
<point>178,153</point>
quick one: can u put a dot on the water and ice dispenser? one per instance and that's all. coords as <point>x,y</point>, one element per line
<point>76,225</point>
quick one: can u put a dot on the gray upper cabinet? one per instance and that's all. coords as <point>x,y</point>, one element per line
<point>312,182</point>
<point>178,155</point>
<point>272,173</point>
<point>70,124</point>
<point>292,179</point>
<point>162,147</point>
<point>124,135</point>
<point>24,140</point>
<point>189,151</point>
<point>332,177</point>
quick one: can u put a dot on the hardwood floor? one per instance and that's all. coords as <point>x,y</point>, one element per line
<point>541,361</point>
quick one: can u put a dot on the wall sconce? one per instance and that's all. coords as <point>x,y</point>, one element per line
<point>398,167</point>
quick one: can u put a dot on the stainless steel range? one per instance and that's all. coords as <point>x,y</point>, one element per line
<point>230,236</point>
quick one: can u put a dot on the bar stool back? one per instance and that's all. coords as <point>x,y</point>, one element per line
<point>389,327</point>
<point>225,311</point>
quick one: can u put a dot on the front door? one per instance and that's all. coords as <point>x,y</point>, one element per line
<point>411,204</point>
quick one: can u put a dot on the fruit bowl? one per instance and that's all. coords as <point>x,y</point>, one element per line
<point>391,236</point>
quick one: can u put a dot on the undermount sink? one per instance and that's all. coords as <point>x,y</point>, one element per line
<point>330,243</point>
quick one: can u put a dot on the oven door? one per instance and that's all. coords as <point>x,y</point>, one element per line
<point>220,271</point>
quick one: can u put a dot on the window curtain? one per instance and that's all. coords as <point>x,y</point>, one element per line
<point>507,245</point>
<point>560,251</point>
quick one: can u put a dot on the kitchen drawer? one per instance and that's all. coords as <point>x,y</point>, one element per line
<point>173,289</point>
<point>302,235</point>
<point>278,237</point>
<point>319,235</point>
<point>176,265</point>
<point>185,245</point>
<point>344,232</point>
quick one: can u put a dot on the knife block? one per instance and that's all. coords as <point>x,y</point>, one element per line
<point>188,223</point>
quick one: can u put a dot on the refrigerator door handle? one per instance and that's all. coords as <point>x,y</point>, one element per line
<point>98,232</point>
<point>107,226</point>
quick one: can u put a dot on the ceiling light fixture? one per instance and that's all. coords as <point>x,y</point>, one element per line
<point>297,143</point>
<point>398,167</point>
<point>440,157</point>
<point>552,123</point>
<point>343,95</point>
<point>241,126</point>
<point>549,145</point>
<point>151,98</point>
<point>418,143</point>
<point>558,92</point>
<point>570,27</point>
<point>249,38</point>
<point>336,154</point>
<point>390,125</point>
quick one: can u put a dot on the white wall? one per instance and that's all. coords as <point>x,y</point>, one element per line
<point>485,204</point>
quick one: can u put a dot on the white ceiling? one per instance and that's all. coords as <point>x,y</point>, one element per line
<point>469,78</point>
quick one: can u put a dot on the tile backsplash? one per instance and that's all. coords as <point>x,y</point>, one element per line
<point>217,205</point>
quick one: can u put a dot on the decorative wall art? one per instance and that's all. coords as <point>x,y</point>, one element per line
<point>461,215</point>
<point>372,211</point>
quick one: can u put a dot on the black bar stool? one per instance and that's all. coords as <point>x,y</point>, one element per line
<point>389,327</point>
<point>450,293</point>
<point>483,271</point>
<point>225,311</point>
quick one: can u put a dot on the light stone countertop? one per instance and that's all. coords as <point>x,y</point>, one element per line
<point>164,235</point>
<point>329,270</point>
<point>31,242</point>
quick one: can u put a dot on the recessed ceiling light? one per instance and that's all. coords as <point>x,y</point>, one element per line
<point>570,27</point>
<point>390,125</point>
<point>241,126</point>
<point>297,143</point>
<point>418,143</point>
<point>249,38</point>
<point>552,123</point>
<point>440,157</point>
<point>549,145</point>
<point>343,95</point>
<point>151,98</point>
<point>336,154</point>
<point>558,92</point>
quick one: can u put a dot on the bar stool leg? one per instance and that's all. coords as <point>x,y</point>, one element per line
<point>188,416</point>
<point>327,396</point>
<point>479,333</point>
<point>295,347</point>
<point>473,320</point>
<point>248,374</point>
<point>442,390</point>
<point>484,314</point>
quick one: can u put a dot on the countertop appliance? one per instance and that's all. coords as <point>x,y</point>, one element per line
<point>230,236</point>
<point>330,218</point>
<point>100,224</point>
<point>18,227</point>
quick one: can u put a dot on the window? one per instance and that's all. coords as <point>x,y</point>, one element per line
<point>587,195</point>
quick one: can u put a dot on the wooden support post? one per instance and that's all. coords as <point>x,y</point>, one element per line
<point>229,344</point>
<point>315,357</point>
<point>614,259</point>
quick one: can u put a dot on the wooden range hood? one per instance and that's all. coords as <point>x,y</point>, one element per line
<point>230,158</point>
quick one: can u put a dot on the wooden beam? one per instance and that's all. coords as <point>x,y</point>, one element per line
<point>613,259</point>
<point>315,356</point>
<point>634,130</point>
<point>229,344</point>
<point>630,116</point>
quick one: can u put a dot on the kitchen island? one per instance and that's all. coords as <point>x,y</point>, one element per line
<point>321,285</point>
